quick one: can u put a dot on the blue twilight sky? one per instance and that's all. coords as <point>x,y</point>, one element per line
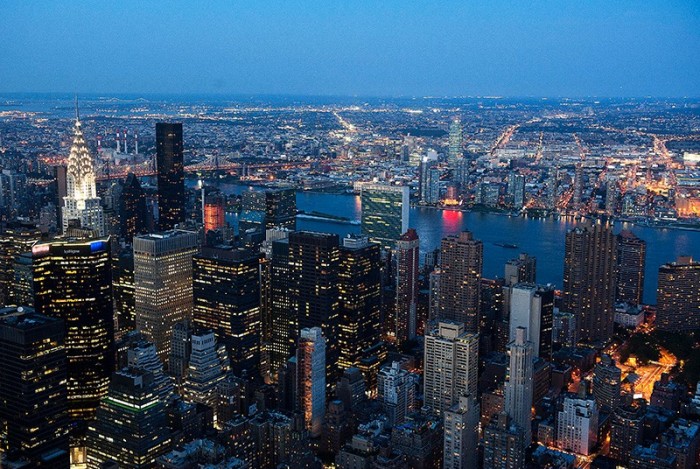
<point>353,47</point>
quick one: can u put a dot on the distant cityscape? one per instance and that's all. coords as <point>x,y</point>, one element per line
<point>355,283</point>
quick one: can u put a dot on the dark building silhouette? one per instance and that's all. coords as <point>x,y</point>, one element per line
<point>589,280</point>
<point>678,296</point>
<point>631,260</point>
<point>15,238</point>
<point>521,270</point>
<point>226,286</point>
<point>123,290</point>
<point>626,430</point>
<point>73,282</point>
<point>33,394</point>
<point>132,208</point>
<point>263,210</point>
<point>171,175</point>
<point>461,264</point>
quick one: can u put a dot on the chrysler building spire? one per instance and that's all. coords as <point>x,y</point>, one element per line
<point>81,202</point>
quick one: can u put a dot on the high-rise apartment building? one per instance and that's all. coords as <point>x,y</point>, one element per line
<point>73,282</point>
<point>516,189</point>
<point>504,445</point>
<point>81,202</point>
<point>577,424</point>
<point>396,388</point>
<point>631,261</point>
<point>131,428</point>
<point>205,370</point>
<point>454,153</point>
<point>163,284</point>
<point>407,255</point>
<point>385,211</point>
<point>678,296</point>
<point>532,307</point>
<point>607,382</point>
<point>171,175</point>
<point>33,394</point>
<point>450,366</point>
<point>226,293</point>
<point>359,288</point>
<point>590,266</point>
<point>521,270</point>
<point>15,238</point>
<point>429,182</point>
<point>626,430</point>
<point>461,434</point>
<point>519,384</point>
<point>311,378</point>
<point>461,264</point>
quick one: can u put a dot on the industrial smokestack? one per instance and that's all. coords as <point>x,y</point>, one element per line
<point>118,142</point>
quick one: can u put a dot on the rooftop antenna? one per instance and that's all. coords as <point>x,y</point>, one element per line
<point>77,110</point>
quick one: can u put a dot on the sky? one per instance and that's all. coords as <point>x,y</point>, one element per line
<point>518,48</point>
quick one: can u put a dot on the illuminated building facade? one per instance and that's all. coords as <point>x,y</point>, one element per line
<point>163,284</point>
<point>504,447</point>
<point>171,175</point>
<point>214,212</point>
<point>532,307</point>
<point>590,266</point>
<point>73,282</point>
<point>384,212</point>
<point>396,390</point>
<point>227,301</point>
<point>205,370</point>
<point>305,292</point>
<point>461,434</point>
<point>406,257</point>
<point>678,297</point>
<point>33,394</point>
<point>311,378</point>
<point>631,261</point>
<point>450,363</point>
<point>264,210</point>
<point>131,428</point>
<point>81,202</point>
<point>123,288</point>
<point>577,424</point>
<point>607,382</point>
<point>519,385</point>
<point>359,290</point>
<point>461,265</point>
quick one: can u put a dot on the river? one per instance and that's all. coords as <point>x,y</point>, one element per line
<point>540,237</point>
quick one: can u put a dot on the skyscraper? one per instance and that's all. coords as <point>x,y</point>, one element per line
<point>305,292</point>
<point>516,189</point>
<point>359,279</point>
<point>461,434</point>
<point>268,209</point>
<point>385,211</point>
<point>131,428</point>
<point>406,258</point>
<point>214,212</point>
<point>311,378</point>
<point>429,182</point>
<point>519,385</point>
<point>521,270</point>
<point>678,297</point>
<point>33,395</point>
<point>532,307</point>
<point>171,175</point>
<point>227,301</point>
<point>81,202</point>
<point>132,208</point>
<point>631,261</point>
<point>450,366</point>
<point>626,430</point>
<point>163,284</point>
<point>504,446</point>
<point>73,282</point>
<point>460,279</point>
<point>589,280</point>
<point>15,238</point>
<point>455,142</point>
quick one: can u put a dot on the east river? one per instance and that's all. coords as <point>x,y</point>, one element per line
<point>539,237</point>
